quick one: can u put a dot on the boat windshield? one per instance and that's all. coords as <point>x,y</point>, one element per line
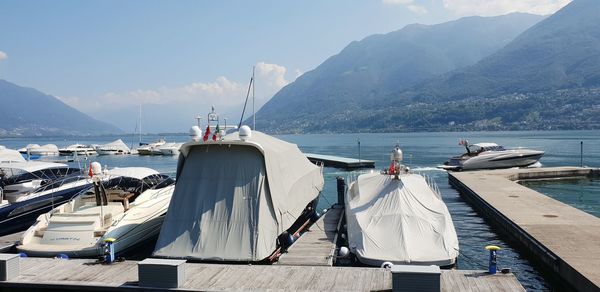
<point>49,174</point>
<point>474,149</point>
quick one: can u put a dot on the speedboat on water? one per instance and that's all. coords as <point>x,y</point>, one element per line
<point>127,205</point>
<point>77,149</point>
<point>235,196</point>
<point>117,147</point>
<point>399,217</point>
<point>20,178</point>
<point>491,156</point>
<point>151,148</point>
<point>170,148</point>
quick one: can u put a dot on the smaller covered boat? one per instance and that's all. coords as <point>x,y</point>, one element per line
<point>9,155</point>
<point>37,150</point>
<point>397,216</point>
<point>491,156</point>
<point>124,204</point>
<point>117,147</point>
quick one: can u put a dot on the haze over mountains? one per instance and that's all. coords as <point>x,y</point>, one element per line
<point>26,111</point>
<point>475,73</point>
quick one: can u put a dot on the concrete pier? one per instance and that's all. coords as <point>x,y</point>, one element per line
<point>565,239</point>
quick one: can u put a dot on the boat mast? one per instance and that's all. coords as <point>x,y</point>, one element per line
<point>140,117</point>
<point>253,112</point>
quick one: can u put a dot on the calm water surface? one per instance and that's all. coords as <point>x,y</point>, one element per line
<point>422,152</point>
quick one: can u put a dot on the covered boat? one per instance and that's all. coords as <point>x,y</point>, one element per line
<point>117,147</point>
<point>10,155</point>
<point>127,205</point>
<point>37,150</point>
<point>235,196</point>
<point>397,217</point>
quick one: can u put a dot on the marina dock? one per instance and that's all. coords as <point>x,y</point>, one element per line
<point>563,238</point>
<point>7,242</point>
<point>340,162</point>
<point>87,275</point>
<point>317,246</point>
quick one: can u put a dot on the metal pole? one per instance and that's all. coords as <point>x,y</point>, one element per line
<point>253,112</point>
<point>359,160</point>
<point>341,190</point>
<point>581,154</point>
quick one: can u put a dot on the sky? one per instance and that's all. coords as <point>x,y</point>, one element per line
<point>178,58</point>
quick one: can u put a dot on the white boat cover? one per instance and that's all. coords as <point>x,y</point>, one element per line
<point>9,155</point>
<point>233,198</point>
<point>401,221</point>
<point>44,149</point>
<point>31,166</point>
<point>115,145</point>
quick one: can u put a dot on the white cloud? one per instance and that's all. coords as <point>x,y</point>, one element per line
<point>3,55</point>
<point>500,7</point>
<point>417,9</point>
<point>410,5</point>
<point>223,93</point>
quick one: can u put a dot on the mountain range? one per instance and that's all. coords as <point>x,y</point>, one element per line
<point>26,111</point>
<point>511,72</point>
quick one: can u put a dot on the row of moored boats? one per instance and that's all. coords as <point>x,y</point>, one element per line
<point>117,147</point>
<point>242,197</point>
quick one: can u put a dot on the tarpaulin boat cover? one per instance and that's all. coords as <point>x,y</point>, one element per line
<point>233,198</point>
<point>9,155</point>
<point>115,145</point>
<point>399,220</point>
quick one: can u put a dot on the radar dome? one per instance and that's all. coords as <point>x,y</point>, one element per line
<point>195,133</point>
<point>396,154</point>
<point>245,133</point>
<point>96,167</point>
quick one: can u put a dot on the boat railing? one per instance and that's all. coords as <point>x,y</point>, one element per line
<point>431,183</point>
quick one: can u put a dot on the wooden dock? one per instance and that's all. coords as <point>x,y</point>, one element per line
<point>317,246</point>
<point>565,239</point>
<point>340,162</point>
<point>87,275</point>
<point>8,242</point>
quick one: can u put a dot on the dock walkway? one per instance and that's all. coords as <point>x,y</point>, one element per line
<point>316,247</point>
<point>564,238</point>
<point>340,162</point>
<point>86,275</point>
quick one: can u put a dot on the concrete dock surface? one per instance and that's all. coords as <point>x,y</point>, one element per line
<point>565,239</point>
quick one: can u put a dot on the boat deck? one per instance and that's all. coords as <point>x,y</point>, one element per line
<point>86,275</point>
<point>316,247</point>
<point>340,162</point>
<point>563,238</point>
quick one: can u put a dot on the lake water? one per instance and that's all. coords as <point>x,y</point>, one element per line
<point>422,152</point>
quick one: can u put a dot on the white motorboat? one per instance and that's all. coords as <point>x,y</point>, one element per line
<point>491,156</point>
<point>170,148</point>
<point>128,205</point>
<point>117,147</point>
<point>399,217</point>
<point>20,178</point>
<point>235,196</point>
<point>37,150</point>
<point>151,148</point>
<point>77,149</point>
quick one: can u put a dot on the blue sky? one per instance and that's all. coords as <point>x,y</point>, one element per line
<point>178,57</point>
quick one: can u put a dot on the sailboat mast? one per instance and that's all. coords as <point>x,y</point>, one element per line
<point>140,117</point>
<point>253,112</point>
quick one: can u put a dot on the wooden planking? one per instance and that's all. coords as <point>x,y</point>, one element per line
<point>562,237</point>
<point>7,242</point>
<point>83,274</point>
<point>316,247</point>
<point>456,280</point>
